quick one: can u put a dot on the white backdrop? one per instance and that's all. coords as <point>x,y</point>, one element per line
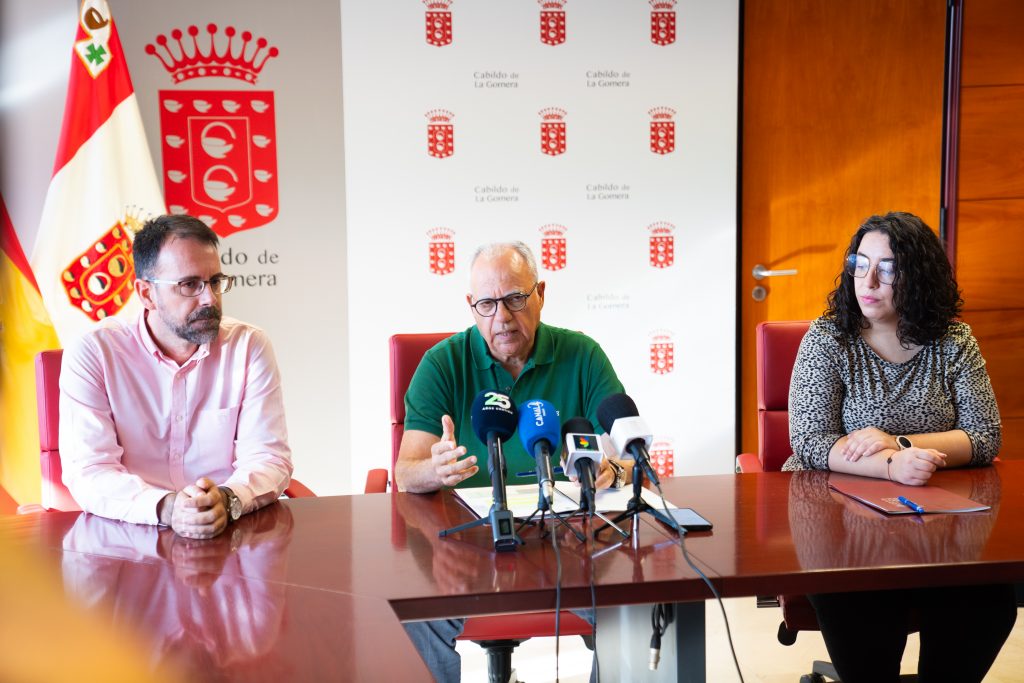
<point>607,195</point>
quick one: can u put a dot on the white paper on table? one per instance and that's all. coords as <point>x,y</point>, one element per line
<point>522,499</point>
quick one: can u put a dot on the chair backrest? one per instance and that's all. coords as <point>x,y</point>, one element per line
<point>406,352</point>
<point>777,346</point>
<point>55,496</point>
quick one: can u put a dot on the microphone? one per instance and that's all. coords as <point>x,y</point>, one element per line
<point>538,430</point>
<point>582,456</point>
<point>629,433</point>
<point>493,418</point>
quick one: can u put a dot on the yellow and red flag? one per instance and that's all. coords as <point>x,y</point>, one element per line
<point>103,178</point>
<point>25,330</point>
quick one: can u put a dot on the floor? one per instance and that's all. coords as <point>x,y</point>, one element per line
<point>761,657</point>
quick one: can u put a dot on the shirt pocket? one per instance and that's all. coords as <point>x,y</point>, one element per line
<point>214,435</point>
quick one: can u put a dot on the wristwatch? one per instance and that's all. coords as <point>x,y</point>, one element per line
<point>620,474</point>
<point>232,504</point>
<point>904,443</point>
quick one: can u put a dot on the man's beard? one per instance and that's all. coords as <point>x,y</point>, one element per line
<point>202,333</point>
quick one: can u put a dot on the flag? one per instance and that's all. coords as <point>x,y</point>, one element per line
<point>25,330</point>
<point>103,184</point>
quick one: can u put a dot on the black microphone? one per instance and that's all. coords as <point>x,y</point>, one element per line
<point>538,430</point>
<point>629,433</point>
<point>493,418</point>
<point>583,456</point>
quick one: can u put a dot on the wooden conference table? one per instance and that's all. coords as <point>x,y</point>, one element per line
<point>314,589</point>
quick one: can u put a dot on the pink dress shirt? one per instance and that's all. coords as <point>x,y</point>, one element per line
<point>134,426</point>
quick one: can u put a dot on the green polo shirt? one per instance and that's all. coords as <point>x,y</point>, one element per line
<point>567,368</point>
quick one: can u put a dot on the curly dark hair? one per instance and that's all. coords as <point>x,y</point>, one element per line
<point>924,293</point>
<point>151,238</point>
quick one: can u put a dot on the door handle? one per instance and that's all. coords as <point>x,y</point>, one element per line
<point>760,272</point>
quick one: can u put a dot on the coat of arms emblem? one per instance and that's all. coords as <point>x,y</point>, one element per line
<point>552,131</point>
<point>101,280</point>
<point>439,22</point>
<point>440,133</point>
<point>552,247</point>
<point>663,130</point>
<point>663,458</point>
<point>663,22</point>
<point>442,251</point>
<point>662,244</point>
<point>552,21</point>
<point>663,354</point>
<point>219,146</point>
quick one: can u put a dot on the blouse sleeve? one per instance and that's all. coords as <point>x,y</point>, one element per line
<point>977,413</point>
<point>816,394</point>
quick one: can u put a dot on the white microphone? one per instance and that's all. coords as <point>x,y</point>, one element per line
<point>582,456</point>
<point>629,434</point>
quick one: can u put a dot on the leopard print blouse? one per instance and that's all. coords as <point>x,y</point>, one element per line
<point>840,385</point>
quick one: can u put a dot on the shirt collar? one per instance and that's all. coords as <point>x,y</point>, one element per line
<point>146,337</point>
<point>542,353</point>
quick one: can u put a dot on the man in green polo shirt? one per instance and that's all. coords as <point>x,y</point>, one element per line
<point>511,351</point>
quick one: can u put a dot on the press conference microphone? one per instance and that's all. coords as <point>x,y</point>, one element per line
<point>582,456</point>
<point>628,431</point>
<point>493,418</point>
<point>538,430</point>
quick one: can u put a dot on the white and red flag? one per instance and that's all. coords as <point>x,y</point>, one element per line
<point>103,182</point>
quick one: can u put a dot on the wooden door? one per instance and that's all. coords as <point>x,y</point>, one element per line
<point>842,119</point>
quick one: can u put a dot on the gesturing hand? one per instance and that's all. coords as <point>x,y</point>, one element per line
<point>445,456</point>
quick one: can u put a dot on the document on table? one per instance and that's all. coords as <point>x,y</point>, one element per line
<point>522,499</point>
<point>885,496</point>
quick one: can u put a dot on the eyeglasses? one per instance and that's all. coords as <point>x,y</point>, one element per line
<point>194,286</point>
<point>858,265</point>
<point>513,302</point>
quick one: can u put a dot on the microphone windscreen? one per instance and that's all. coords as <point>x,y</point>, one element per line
<point>614,407</point>
<point>576,425</point>
<point>538,420</point>
<point>493,412</point>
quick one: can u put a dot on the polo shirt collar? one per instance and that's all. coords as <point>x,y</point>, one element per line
<point>543,349</point>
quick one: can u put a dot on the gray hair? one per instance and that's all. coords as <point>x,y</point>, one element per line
<point>496,249</point>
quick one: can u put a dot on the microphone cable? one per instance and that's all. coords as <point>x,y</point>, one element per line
<point>558,592</point>
<point>595,665</point>
<point>686,556</point>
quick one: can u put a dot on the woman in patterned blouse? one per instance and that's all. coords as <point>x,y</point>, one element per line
<point>888,384</point>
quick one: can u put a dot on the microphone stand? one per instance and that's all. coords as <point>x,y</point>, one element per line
<point>500,518</point>
<point>635,507</point>
<point>543,508</point>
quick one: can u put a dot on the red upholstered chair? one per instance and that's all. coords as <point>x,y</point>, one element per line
<point>55,496</point>
<point>499,635</point>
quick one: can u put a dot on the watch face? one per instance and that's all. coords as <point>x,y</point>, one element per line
<point>903,442</point>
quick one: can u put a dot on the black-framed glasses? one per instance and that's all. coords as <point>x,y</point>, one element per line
<point>194,286</point>
<point>516,301</point>
<point>858,265</point>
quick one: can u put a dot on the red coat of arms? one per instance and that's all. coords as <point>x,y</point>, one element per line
<point>662,244</point>
<point>552,247</point>
<point>663,130</point>
<point>663,355</point>
<point>100,281</point>
<point>663,458</point>
<point>439,22</point>
<point>663,22</point>
<point>552,21</point>
<point>442,251</point>
<point>219,146</point>
<point>552,131</point>
<point>440,133</point>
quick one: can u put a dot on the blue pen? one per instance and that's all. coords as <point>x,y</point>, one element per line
<point>911,504</point>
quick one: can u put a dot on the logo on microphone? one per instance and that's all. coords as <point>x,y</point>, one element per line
<point>538,412</point>
<point>219,149</point>
<point>663,130</point>
<point>441,251</point>
<point>493,399</point>
<point>663,458</point>
<point>439,22</point>
<point>552,247</point>
<point>663,22</point>
<point>663,354</point>
<point>552,21</point>
<point>662,244</point>
<point>552,131</point>
<point>440,133</point>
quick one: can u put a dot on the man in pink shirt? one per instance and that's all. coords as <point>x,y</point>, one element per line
<point>176,418</point>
